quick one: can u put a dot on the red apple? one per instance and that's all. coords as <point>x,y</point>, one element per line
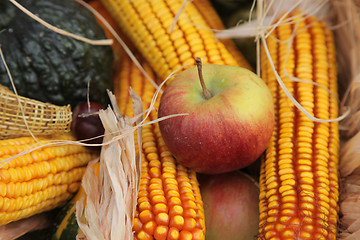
<point>223,132</point>
<point>231,205</point>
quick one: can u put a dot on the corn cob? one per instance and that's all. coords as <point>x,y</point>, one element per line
<point>169,200</point>
<point>214,21</point>
<point>130,76</point>
<point>118,50</point>
<point>299,182</point>
<point>39,180</point>
<point>148,23</point>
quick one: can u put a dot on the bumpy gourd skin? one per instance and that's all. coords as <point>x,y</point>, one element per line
<point>48,66</point>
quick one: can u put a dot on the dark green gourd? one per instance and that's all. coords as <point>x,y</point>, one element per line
<point>48,66</point>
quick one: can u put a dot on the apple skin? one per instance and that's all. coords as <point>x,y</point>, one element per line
<point>231,206</point>
<point>227,132</point>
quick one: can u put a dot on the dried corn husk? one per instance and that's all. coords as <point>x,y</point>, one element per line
<point>21,116</point>
<point>348,49</point>
<point>111,198</point>
<point>16,229</point>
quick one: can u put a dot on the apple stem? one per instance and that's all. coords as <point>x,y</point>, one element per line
<point>207,94</point>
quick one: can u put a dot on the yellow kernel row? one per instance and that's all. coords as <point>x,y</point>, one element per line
<point>40,206</point>
<point>17,189</point>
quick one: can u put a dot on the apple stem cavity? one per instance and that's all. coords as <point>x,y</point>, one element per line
<point>207,94</point>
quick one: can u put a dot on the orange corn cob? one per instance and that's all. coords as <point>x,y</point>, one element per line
<point>299,181</point>
<point>169,200</point>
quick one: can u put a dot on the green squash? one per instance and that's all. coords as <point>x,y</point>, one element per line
<point>48,66</point>
<point>66,226</point>
<point>63,221</point>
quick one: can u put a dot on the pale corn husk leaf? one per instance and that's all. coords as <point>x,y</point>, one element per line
<point>348,49</point>
<point>347,206</point>
<point>350,187</point>
<point>356,172</point>
<point>111,197</point>
<point>347,35</point>
<point>347,236</point>
<point>16,229</point>
<point>355,226</point>
<point>270,10</point>
<point>349,155</point>
<point>21,116</point>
